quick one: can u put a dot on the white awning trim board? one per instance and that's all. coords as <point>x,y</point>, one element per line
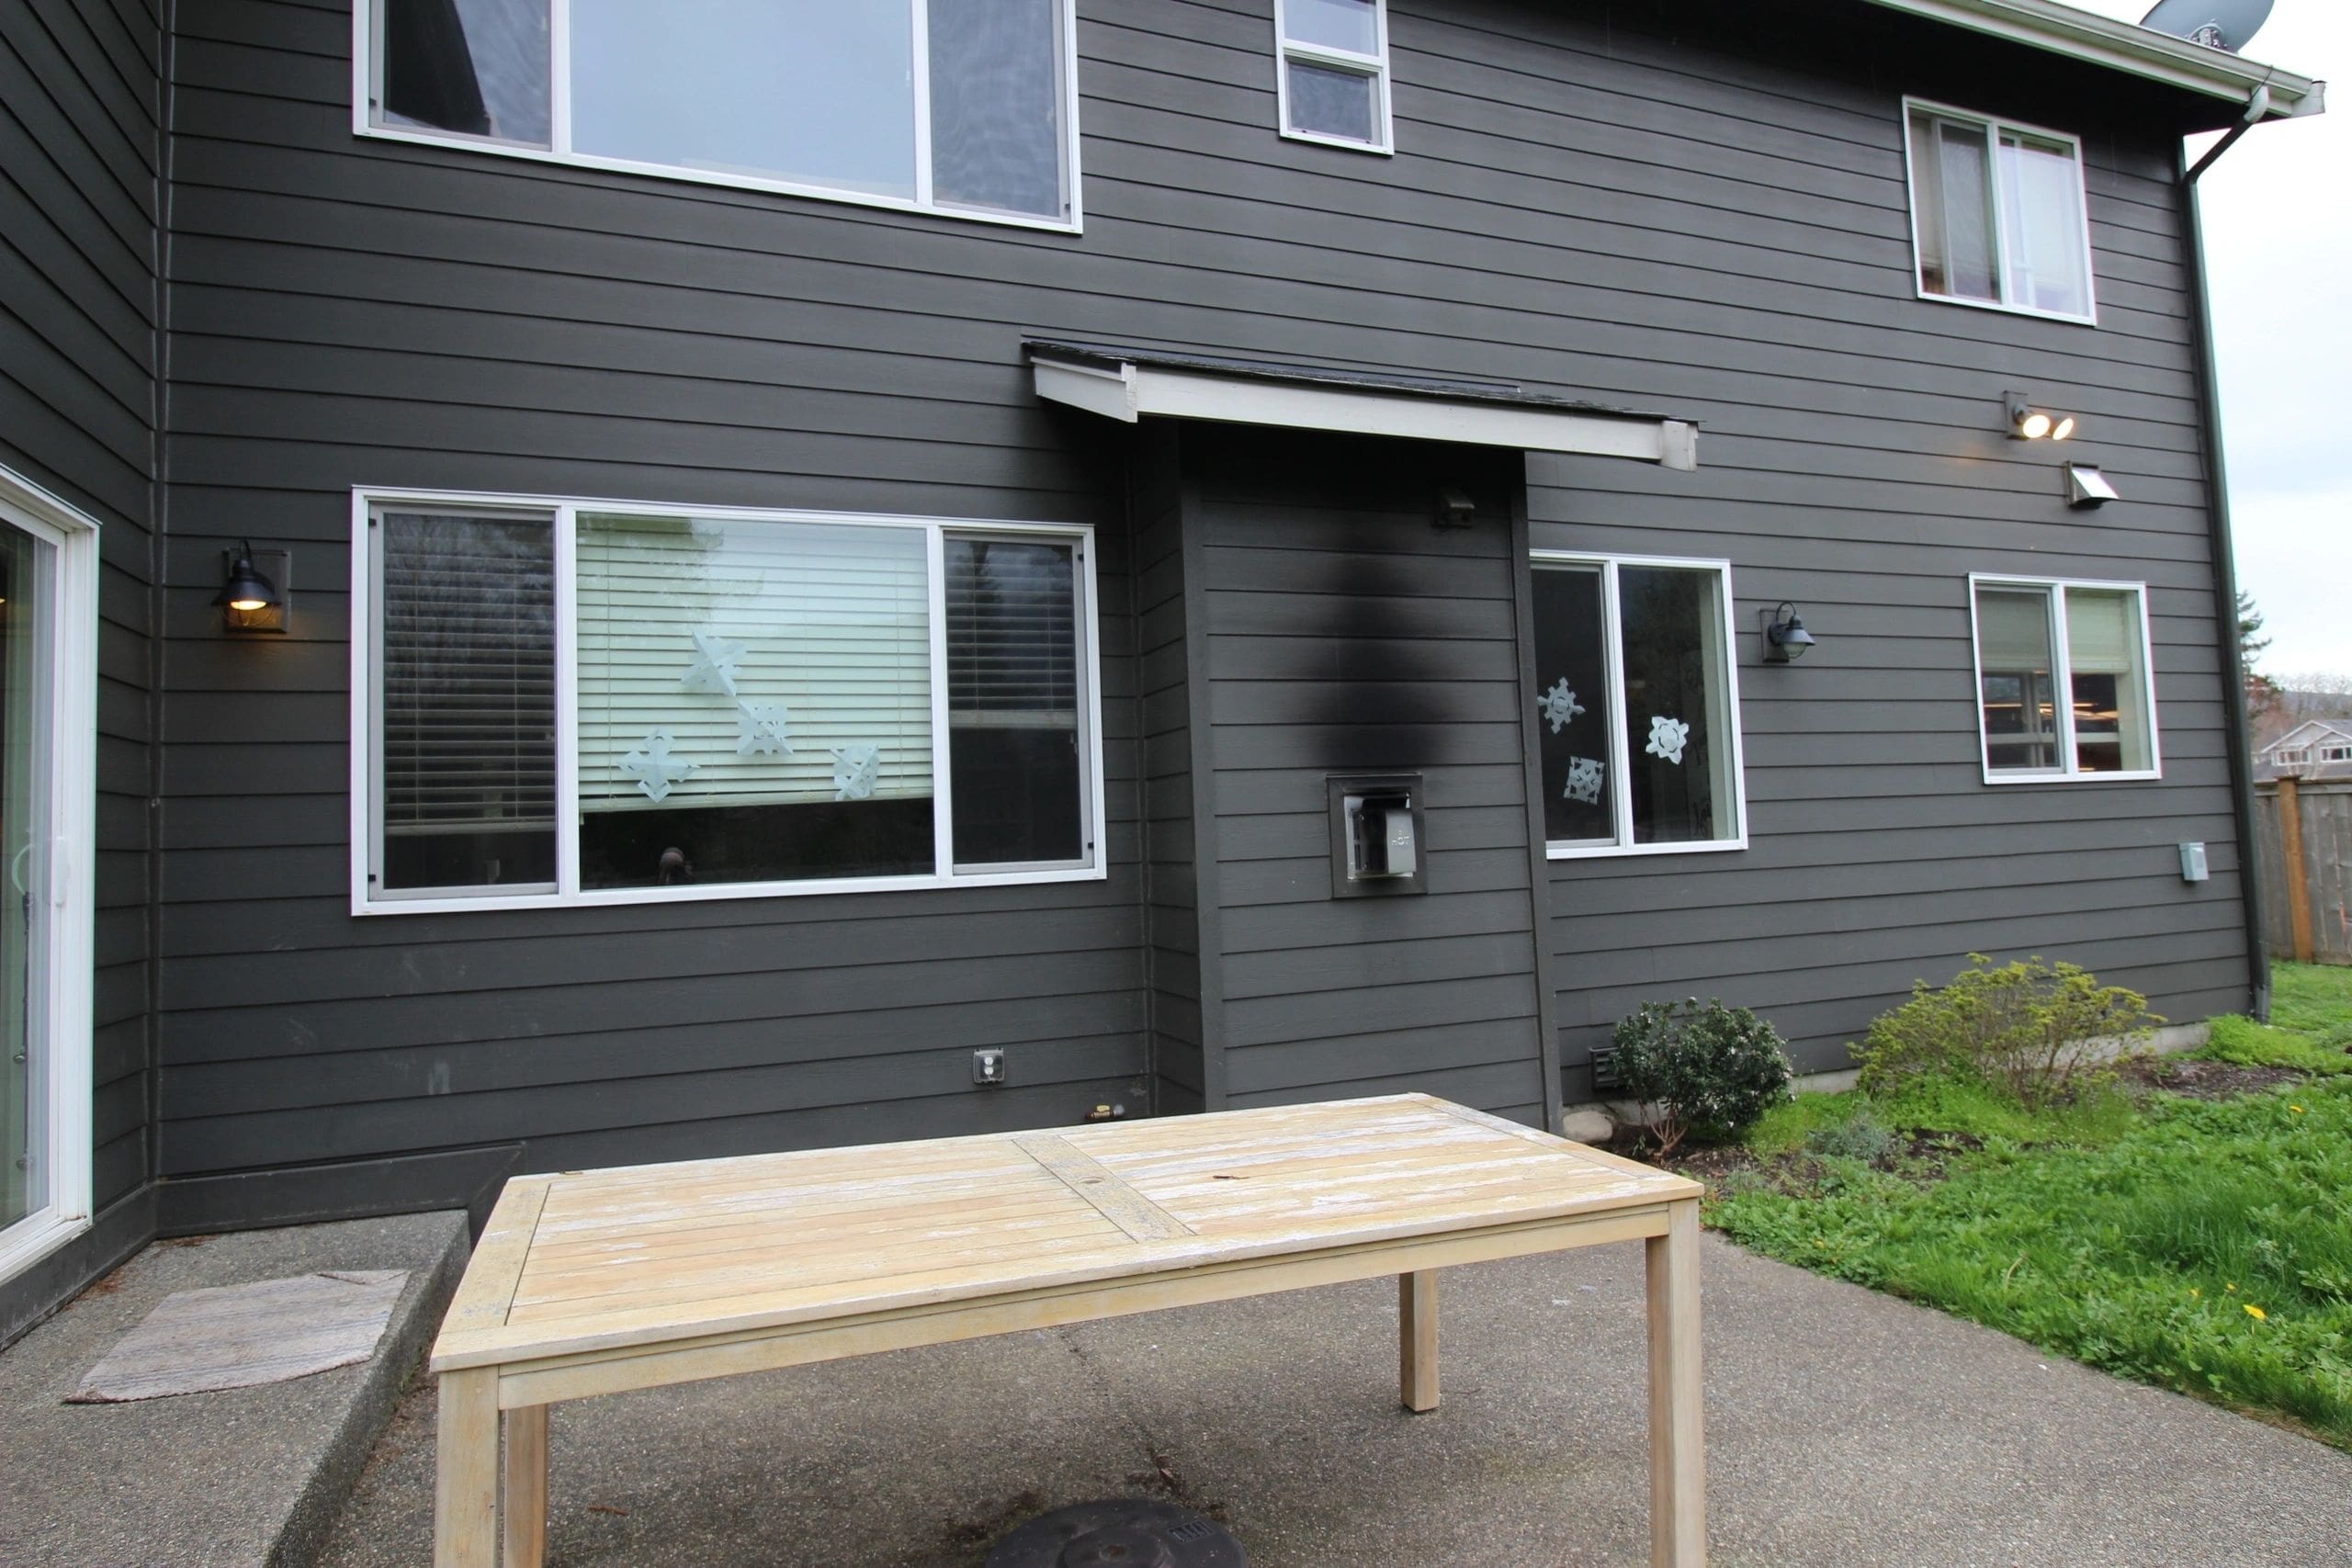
<point>2125,46</point>
<point>1130,390</point>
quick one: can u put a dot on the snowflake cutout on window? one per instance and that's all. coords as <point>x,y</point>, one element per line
<point>762,728</point>
<point>856,769</point>
<point>655,767</point>
<point>1559,705</point>
<point>715,664</point>
<point>1668,738</point>
<point>1584,780</point>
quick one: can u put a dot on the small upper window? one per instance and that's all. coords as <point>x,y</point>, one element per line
<point>1998,214</point>
<point>1638,719</point>
<point>1334,70</point>
<point>960,106</point>
<point>2064,689</point>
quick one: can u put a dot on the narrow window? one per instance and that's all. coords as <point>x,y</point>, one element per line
<point>2063,688</point>
<point>962,106</point>
<point>578,703</point>
<point>466,701</point>
<point>1998,214</point>
<point>1333,63</point>
<point>1637,707</point>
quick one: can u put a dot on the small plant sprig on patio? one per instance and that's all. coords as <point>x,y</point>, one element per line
<point>2033,1029</point>
<point>1710,1069</point>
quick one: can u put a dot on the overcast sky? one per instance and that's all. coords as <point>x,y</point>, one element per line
<point>2278,231</point>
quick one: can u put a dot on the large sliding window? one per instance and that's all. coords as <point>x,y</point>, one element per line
<point>2063,681</point>
<point>1637,705</point>
<point>589,702</point>
<point>1998,214</point>
<point>954,106</point>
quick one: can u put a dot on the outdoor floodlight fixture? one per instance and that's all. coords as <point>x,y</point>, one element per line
<point>249,600</point>
<point>2030,423</point>
<point>2088,488</point>
<point>1785,638</point>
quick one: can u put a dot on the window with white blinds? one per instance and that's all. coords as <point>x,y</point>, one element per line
<point>2063,685</point>
<point>720,703</point>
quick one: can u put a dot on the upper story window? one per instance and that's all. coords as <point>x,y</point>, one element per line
<point>1637,705</point>
<point>1998,213</point>
<point>2064,687</point>
<point>1333,81</point>
<point>576,703</point>
<point>952,106</point>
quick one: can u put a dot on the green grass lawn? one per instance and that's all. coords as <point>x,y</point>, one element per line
<point>2204,1246</point>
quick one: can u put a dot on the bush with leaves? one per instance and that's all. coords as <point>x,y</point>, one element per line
<point>2033,1029</point>
<point>1710,1069</point>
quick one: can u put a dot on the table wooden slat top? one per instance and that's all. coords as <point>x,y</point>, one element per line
<point>641,1255</point>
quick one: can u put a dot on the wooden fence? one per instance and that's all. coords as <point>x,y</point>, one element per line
<point>2303,833</point>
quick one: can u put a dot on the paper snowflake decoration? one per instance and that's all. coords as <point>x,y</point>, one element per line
<point>1584,780</point>
<point>1668,738</point>
<point>655,767</point>
<point>856,769</point>
<point>763,728</point>
<point>715,664</point>
<point>1559,705</point>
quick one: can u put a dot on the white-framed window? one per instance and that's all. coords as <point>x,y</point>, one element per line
<point>49,738</point>
<point>1637,705</point>
<point>1331,72</point>
<point>2064,681</point>
<point>968,107</point>
<point>2000,217</point>
<point>561,702</point>
<point>2336,754</point>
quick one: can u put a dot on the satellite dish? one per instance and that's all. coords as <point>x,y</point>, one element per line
<point>2217,24</point>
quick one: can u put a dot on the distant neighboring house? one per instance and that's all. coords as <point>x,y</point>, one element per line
<point>2319,750</point>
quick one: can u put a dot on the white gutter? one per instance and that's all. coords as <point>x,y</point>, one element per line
<point>2122,46</point>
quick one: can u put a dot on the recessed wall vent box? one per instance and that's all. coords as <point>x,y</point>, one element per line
<point>2192,863</point>
<point>1377,845</point>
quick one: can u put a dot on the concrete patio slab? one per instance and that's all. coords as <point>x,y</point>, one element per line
<point>234,1478</point>
<point>1845,1427</point>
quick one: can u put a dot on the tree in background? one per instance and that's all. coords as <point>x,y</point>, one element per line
<point>2262,694</point>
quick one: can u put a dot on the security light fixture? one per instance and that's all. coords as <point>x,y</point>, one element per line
<point>1785,638</point>
<point>2030,423</point>
<point>249,600</point>
<point>2088,488</point>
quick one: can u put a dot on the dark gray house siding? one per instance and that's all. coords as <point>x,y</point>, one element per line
<point>79,200</point>
<point>1696,206</point>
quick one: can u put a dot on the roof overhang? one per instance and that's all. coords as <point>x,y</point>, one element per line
<point>1129,384</point>
<point>2124,45</point>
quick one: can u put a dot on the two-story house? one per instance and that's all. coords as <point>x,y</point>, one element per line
<point>817,571</point>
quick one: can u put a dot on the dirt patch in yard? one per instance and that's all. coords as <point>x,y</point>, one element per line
<point>2206,1081</point>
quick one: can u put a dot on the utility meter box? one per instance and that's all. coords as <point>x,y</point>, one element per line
<point>1377,846</point>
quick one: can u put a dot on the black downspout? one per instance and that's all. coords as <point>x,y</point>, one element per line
<point>2226,571</point>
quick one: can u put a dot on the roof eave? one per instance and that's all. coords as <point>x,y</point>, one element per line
<point>2122,46</point>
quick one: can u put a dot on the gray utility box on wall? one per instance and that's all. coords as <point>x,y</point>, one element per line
<point>1377,845</point>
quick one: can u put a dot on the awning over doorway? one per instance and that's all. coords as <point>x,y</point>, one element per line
<point>1131,384</point>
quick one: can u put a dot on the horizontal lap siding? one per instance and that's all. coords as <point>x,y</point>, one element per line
<point>1668,205</point>
<point>79,145</point>
<point>1347,633</point>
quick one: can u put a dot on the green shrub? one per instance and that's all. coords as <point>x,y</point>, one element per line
<point>1860,1136</point>
<point>1711,1069</point>
<point>2031,1028</point>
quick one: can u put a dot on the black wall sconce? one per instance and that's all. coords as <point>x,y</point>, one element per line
<point>252,600</point>
<point>1785,638</point>
<point>2030,423</point>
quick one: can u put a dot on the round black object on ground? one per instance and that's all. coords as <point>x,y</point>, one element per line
<point>1122,1532</point>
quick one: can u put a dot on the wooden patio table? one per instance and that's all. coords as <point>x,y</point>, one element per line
<point>597,1282</point>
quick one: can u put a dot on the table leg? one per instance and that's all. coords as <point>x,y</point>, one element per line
<point>1677,1461</point>
<point>1416,1339</point>
<point>465,1496</point>
<point>526,1487</point>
